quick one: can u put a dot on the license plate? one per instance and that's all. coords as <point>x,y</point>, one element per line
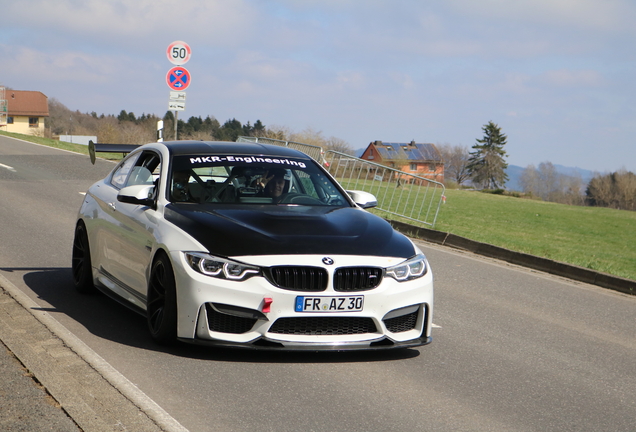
<point>329,304</point>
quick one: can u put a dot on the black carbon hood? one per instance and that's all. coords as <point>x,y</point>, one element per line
<point>273,230</point>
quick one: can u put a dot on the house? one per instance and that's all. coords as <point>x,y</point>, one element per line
<point>423,160</point>
<point>25,112</point>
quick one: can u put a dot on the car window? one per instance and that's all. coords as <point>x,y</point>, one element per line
<point>252,180</point>
<point>120,174</point>
<point>146,170</point>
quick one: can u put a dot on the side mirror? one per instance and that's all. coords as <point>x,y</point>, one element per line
<point>137,194</point>
<point>363,199</point>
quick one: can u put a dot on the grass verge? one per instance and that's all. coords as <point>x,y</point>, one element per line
<point>77,148</point>
<point>597,238</point>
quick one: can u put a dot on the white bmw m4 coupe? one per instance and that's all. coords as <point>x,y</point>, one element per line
<point>249,245</point>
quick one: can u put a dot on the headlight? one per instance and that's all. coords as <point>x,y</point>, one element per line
<point>412,269</point>
<point>219,267</point>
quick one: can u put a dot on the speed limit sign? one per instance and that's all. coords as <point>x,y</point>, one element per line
<point>178,53</point>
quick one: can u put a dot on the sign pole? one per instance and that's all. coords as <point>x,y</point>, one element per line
<point>176,121</point>
<point>178,78</point>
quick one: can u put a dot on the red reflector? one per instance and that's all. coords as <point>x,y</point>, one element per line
<point>267,301</point>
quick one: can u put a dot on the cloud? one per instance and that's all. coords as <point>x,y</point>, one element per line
<point>611,16</point>
<point>132,24</point>
<point>431,71</point>
<point>572,78</point>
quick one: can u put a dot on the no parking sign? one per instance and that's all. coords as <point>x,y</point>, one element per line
<point>178,78</point>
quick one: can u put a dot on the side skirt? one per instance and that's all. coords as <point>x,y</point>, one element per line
<point>120,292</point>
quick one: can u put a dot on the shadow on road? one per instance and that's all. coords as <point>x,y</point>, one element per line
<point>108,319</point>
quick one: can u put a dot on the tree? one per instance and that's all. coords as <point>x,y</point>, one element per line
<point>548,184</point>
<point>258,129</point>
<point>211,125</point>
<point>339,145</point>
<point>230,130</point>
<point>455,159</point>
<point>123,116</point>
<point>616,190</point>
<point>486,165</point>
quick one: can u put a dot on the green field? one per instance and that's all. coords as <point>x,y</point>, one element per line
<point>600,239</point>
<point>596,238</point>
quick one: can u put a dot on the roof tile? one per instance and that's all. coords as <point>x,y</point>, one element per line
<point>26,103</point>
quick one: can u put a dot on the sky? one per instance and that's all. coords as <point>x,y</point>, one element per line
<point>557,76</point>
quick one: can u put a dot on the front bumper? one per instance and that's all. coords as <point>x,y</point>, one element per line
<point>256,314</point>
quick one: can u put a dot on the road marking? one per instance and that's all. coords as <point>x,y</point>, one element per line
<point>82,193</point>
<point>7,167</point>
<point>436,326</point>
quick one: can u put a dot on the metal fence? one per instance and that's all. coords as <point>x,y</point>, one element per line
<point>413,198</point>
<point>315,152</point>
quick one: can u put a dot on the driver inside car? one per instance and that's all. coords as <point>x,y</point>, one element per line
<point>180,186</point>
<point>274,184</point>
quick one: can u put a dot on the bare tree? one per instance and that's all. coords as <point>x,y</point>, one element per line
<point>626,185</point>
<point>309,136</point>
<point>282,133</point>
<point>548,184</point>
<point>455,159</point>
<point>530,181</point>
<point>198,136</point>
<point>616,190</point>
<point>107,131</point>
<point>572,190</point>
<point>339,145</point>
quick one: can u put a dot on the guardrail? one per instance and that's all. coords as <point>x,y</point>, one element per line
<point>407,196</point>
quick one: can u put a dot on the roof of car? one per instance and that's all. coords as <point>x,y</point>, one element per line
<point>177,148</point>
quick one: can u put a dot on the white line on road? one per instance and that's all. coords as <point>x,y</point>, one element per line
<point>7,167</point>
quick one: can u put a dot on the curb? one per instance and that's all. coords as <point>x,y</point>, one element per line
<point>581,274</point>
<point>93,393</point>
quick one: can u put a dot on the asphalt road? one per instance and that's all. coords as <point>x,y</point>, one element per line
<point>515,350</point>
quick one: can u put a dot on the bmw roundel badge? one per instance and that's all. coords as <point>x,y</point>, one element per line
<point>327,261</point>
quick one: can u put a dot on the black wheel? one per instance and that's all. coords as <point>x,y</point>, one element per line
<point>162,302</point>
<point>81,262</point>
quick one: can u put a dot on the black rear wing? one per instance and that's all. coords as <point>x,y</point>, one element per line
<point>109,148</point>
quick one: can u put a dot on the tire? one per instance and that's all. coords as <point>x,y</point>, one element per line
<point>162,302</point>
<point>81,261</point>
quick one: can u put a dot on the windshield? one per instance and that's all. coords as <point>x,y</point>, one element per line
<point>251,180</point>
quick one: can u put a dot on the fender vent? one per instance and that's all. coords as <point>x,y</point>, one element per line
<point>402,323</point>
<point>224,323</point>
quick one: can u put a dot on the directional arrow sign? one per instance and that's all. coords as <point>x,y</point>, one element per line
<point>178,78</point>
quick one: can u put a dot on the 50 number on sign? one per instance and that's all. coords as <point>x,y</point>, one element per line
<point>179,53</point>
